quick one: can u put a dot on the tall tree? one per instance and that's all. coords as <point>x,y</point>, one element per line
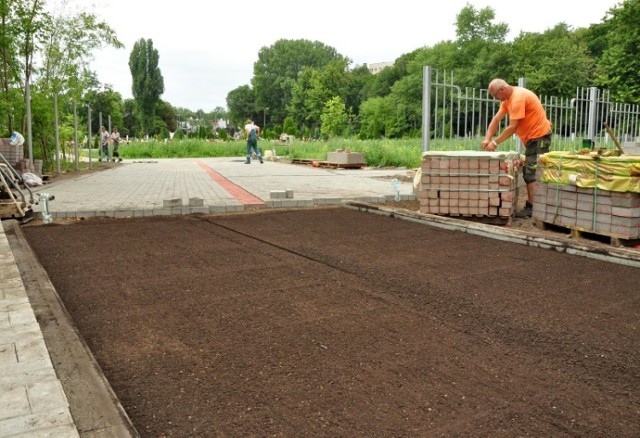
<point>277,69</point>
<point>619,65</point>
<point>481,47</point>
<point>23,24</point>
<point>241,104</point>
<point>9,64</point>
<point>130,118</point>
<point>68,49</point>
<point>334,118</point>
<point>148,83</point>
<point>166,113</point>
<point>107,104</point>
<point>555,62</point>
<point>315,87</point>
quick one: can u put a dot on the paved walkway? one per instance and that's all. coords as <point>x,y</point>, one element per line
<point>32,399</point>
<point>215,185</point>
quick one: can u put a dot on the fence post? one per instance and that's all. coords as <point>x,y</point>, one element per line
<point>593,101</point>
<point>426,107</point>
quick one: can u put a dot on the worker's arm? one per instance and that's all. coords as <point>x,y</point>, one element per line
<point>490,144</point>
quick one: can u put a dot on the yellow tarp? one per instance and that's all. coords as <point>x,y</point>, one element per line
<point>617,174</point>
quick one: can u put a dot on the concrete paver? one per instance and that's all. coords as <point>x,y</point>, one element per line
<point>140,188</point>
<point>32,401</point>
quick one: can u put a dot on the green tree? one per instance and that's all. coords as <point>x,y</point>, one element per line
<point>374,117</point>
<point>299,106</point>
<point>380,84</point>
<point>67,51</point>
<point>289,126</point>
<point>555,62</point>
<point>64,75</point>
<point>315,87</point>
<point>107,103</point>
<point>334,118</point>
<point>148,83</point>
<point>482,52</point>
<point>130,121</point>
<point>357,80</point>
<point>9,64</point>
<point>23,26</point>
<point>277,69</point>
<point>166,114</point>
<point>241,104</point>
<point>619,66</point>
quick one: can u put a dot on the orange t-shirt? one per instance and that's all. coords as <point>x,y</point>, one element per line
<point>524,106</point>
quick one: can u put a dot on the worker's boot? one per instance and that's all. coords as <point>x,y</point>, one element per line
<point>527,211</point>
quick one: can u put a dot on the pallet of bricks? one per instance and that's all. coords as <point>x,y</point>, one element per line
<point>12,153</point>
<point>589,193</point>
<point>469,183</point>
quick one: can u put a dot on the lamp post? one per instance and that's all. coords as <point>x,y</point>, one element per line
<point>264,118</point>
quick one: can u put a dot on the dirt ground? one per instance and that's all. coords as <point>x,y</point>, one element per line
<point>333,322</point>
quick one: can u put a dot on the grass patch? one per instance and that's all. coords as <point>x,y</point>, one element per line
<point>378,153</point>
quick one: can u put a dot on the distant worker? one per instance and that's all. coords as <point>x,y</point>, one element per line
<point>528,120</point>
<point>252,132</point>
<point>115,138</point>
<point>104,144</point>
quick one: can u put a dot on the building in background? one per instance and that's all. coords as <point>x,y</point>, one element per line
<point>376,67</point>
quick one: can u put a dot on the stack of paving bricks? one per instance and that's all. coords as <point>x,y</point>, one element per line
<point>600,195</point>
<point>12,153</point>
<point>469,183</point>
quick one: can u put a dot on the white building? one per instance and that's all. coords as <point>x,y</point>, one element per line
<point>376,67</point>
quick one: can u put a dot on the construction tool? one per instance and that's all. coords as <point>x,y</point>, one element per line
<point>613,137</point>
<point>16,198</point>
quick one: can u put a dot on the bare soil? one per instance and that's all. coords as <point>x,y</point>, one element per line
<point>333,322</point>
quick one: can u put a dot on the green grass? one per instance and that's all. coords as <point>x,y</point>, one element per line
<point>378,153</point>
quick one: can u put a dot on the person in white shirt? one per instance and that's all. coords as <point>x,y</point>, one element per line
<point>251,131</point>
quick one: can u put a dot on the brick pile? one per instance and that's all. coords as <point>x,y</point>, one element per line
<point>11,153</point>
<point>469,183</point>
<point>589,194</point>
<point>605,212</point>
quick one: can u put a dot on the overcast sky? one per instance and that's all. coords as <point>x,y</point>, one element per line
<point>208,48</point>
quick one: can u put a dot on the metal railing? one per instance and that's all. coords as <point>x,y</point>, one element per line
<point>458,118</point>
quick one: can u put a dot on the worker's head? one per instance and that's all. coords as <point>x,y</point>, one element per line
<point>500,89</point>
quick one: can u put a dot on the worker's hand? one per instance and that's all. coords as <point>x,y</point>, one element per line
<point>488,146</point>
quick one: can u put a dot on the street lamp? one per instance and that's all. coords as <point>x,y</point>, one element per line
<point>264,118</point>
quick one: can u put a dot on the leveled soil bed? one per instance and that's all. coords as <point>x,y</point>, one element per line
<point>333,322</point>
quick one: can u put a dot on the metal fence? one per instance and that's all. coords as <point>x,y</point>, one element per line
<point>457,119</point>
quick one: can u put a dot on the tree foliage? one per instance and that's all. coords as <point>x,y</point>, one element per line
<point>334,118</point>
<point>536,58</point>
<point>147,81</point>
<point>277,68</point>
<point>241,105</point>
<point>620,64</point>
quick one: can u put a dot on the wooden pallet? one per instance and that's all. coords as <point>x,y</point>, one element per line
<point>483,219</point>
<point>612,239</point>
<point>330,165</point>
<point>301,161</point>
<point>327,164</point>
